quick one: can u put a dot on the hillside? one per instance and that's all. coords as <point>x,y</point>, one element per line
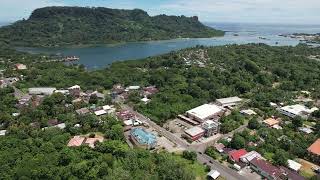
<point>58,26</point>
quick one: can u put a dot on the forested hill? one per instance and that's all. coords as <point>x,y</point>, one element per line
<point>57,26</point>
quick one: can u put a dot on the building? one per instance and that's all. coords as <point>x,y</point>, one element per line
<point>219,147</point>
<point>3,132</point>
<point>305,130</point>
<point>248,112</point>
<point>131,88</point>
<point>205,112</point>
<point>42,91</point>
<point>314,151</point>
<point>20,66</point>
<point>82,111</point>
<point>236,154</point>
<point>149,91</point>
<point>92,141</point>
<point>195,133</point>
<point>293,165</point>
<point>141,138</point>
<point>266,169</point>
<point>100,112</point>
<point>250,156</point>
<point>145,100</point>
<point>270,122</point>
<point>296,110</point>
<point>210,127</point>
<point>213,174</point>
<point>229,102</point>
<point>76,141</point>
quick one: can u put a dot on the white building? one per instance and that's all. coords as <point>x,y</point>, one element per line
<point>296,110</point>
<point>213,174</point>
<point>248,112</point>
<point>294,165</point>
<point>74,87</point>
<point>42,90</point>
<point>205,112</point>
<point>229,102</point>
<point>3,132</point>
<point>100,112</point>
<point>130,88</point>
<point>195,133</point>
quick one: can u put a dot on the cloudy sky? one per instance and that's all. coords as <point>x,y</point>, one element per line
<point>263,11</point>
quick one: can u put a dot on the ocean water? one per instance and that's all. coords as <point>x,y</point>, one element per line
<point>100,56</point>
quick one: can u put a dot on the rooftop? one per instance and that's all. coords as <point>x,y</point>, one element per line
<point>315,147</point>
<point>294,165</point>
<point>271,121</point>
<point>250,156</point>
<point>100,112</point>
<point>229,100</point>
<point>196,130</point>
<point>76,141</point>
<point>236,154</point>
<point>266,167</point>
<point>298,109</point>
<point>144,137</point>
<point>214,174</point>
<point>205,111</point>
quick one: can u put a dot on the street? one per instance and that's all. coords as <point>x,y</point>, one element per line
<point>226,172</point>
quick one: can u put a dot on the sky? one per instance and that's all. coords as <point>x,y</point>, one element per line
<point>242,11</point>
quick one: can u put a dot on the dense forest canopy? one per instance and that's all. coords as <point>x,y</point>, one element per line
<point>55,26</point>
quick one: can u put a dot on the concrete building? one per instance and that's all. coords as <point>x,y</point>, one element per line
<point>229,102</point>
<point>141,138</point>
<point>210,127</point>
<point>296,110</point>
<point>3,132</point>
<point>205,112</point>
<point>42,91</point>
<point>195,133</point>
<point>293,165</point>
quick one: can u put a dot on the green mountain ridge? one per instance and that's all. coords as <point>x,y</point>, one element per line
<point>60,26</point>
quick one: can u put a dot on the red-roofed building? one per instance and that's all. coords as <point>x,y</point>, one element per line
<point>236,154</point>
<point>76,141</point>
<point>150,90</point>
<point>267,170</point>
<point>314,151</point>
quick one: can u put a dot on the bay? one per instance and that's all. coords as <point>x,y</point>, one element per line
<point>98,57</point>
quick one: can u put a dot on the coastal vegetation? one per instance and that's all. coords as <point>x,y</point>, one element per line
<point>64,26</point>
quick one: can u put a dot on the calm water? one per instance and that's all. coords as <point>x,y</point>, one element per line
<point>101,56</point>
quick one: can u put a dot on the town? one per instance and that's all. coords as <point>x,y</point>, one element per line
<point>238,152</point>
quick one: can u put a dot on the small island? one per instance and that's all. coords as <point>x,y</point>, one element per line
<point>75,26</point>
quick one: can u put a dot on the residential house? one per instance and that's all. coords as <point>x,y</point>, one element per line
<point>149,91</point>
<point>266,169</point>
<point>293,165</point>
<point>20,66</point>
<point>82,111</point>
<point>297,110</point>
<point>219,147</point>
<point>42,90</point>
<point>314,151</point>
<point>250,156</point>
<point>213,174</point>
<point>236,154</point>
<point>248,112</point>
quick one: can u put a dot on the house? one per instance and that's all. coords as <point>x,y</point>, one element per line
<point>236,154</point>
<point>132,122</point>
<point>250,156</point>
<point>195,133</point>
<point>141,138</point>
<point>82,111</point>
<point>41,90</point>
<point>270,122</point>
<point>62,91</point>
<point>76,141</point>
<point>219,147</point>
<point>100,112</point>
<point>305,130</point>
<point>206,112</point>
<point>20,66</point>
<point>92,141</point>
<point>210,127</point>
<point>125,115</point>
<point>3,132</point>
<point>248,112</point>
<point>266,169</point>
<point>213,174</point>
<point>149,91</point>
<point>294,165</point>
<point>77,87</point>
<point>314,151</point>
<point>297,110</point>
<point>131,88</point>
<point>145,100</point>
<point>229,102</point>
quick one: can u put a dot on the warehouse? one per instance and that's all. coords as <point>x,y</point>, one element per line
<point>229,102</point>
<point>205,112</point>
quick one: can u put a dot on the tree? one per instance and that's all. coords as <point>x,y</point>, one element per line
<point>190,155</point>
<point>297,122</point>
<point>316,114</point>
<point>238,142</point>
<point>280,158</point>
<point>253,123</point>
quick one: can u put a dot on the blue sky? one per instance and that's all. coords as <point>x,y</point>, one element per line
<point>257,11</point>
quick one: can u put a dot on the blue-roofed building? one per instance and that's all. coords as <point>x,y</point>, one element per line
<point>142,138</point>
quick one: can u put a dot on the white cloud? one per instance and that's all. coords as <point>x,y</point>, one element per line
<point>11,10</point>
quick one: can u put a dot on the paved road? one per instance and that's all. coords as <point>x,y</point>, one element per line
<point>226,172</point>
